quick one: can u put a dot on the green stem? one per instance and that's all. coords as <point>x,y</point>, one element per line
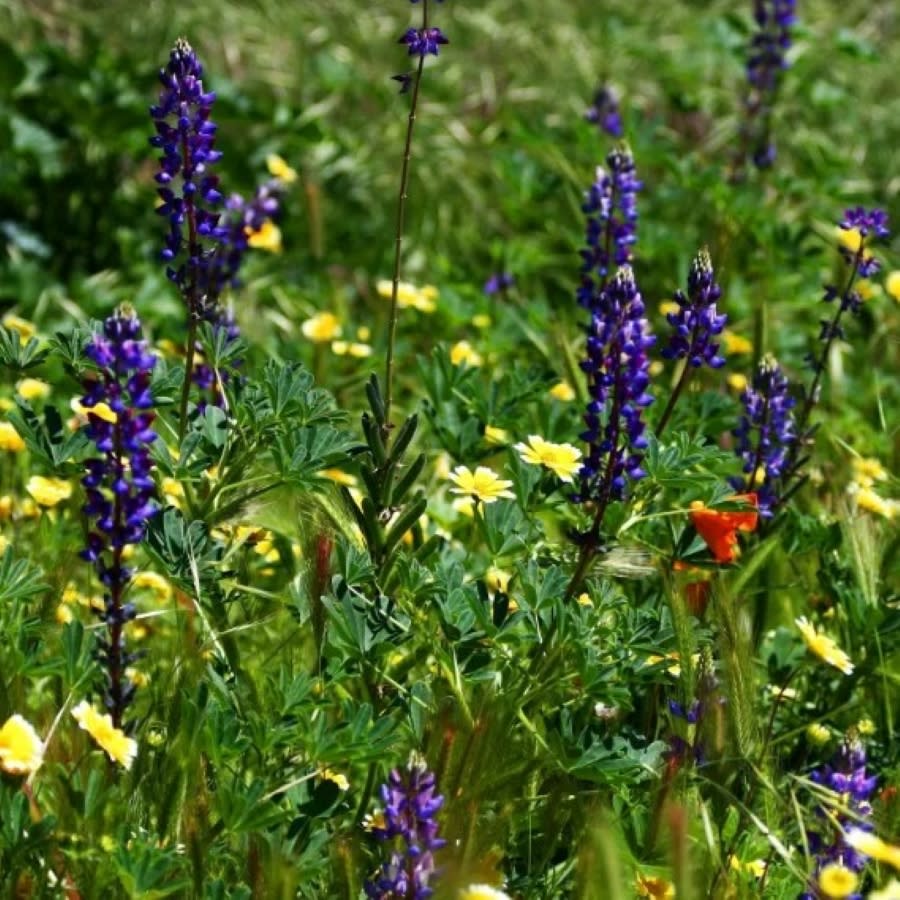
<point>673,398</point>
<point>398,239</point>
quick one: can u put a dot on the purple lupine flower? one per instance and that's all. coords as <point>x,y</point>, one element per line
<point>410,809</point>
<point>766,60</point>
<point>186,135</point>
<point>498,283</point>
<point>617,369</point>
<point>697,320</point>
<point>604,112</point>
<point>849,778</point>
<point>766,435</point>
<point>422,41</point>
<point>118,485</point>
<point>611,231</point>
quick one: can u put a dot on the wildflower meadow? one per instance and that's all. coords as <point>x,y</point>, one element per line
<point>448,449</point>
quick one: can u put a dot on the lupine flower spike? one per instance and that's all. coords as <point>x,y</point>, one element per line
<point>118,485</point>
<point>695,326</point>
<point>766,435</point>
<point>611,208</point>
<point>766,62</point>
<point>838,863</point>
<point>861,228</point>
<point>617,369</point>
<point>409,820</point>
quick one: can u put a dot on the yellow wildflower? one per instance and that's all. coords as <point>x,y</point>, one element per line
<point>161,589</point>
<point>463,352</point>
<point>674,670</point>
<point>482,892</point>
<point>497,580</point>
<point>10,439</point>
<point>266,237</point>
<point>336,778</point>
<point>483,484</point>
<point>865,727</point>
<point>867,471</point>
<point>866,289</point>
<point>25,328</point>
<point>374,821</point>
<point>870,501</point>
<point>137,677</point>
<point>824,647</point>
<point>168,347</point>
<point>351,348</point>
<point>481,320</point>
<point>48,491</point>
<point>101,410</point>
<point>818,733</point>
<point>874,846</point>
<point>737,382</point>
<point>837,881</point>
<point>562,459</point>
<point>21,750</point>
<point>6,507</point>
<point>892,284</point>
<point>339,477</point>
<point>118,746</point>
<point>851,238</point>
<point>756,867</point>
<point>29,509</point>
<point>63,614</point>
<point>322,328</point>
<point>658,888</point>
<point>736,343</point>
<point>891,891</point>
<point>584,599</point>
<point>33,389</point>
<point>172,490</point>
<point>668,307</point>
<point>408,295</point>
<point>465,506</point>
<point>656,367</point>
<point>563,391</point>
<point>279,169</point>
<point>363,333</point>
<point>494,435</point>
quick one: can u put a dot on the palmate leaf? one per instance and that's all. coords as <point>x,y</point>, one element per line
<point>303,452</point>
<point>19,579</point>
<point>48,441</point>
<point>18,356</point>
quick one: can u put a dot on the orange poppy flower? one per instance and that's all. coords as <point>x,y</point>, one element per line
<point>719,528</point>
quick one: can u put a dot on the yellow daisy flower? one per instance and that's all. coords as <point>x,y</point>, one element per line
<point>756,867</point>
<point>818,733</point>
<point>322,328</point>
<point>279,169</point>
<point>736,343</point>
<point>494,435</point>
<point>463,352</point>
<point>871,845</point>
<point>837,882</point>
<point>21,750</point>
<point>48,491</point>
<point>892,284</point>
<point>409,296</point>
<point>866,289</point>
<point>482,892</point>
<point>25,328</point>
<point>737,382</point>
<point>870,501</point>
<point>867,470</point>
<point>824,647</point>
<point>563,391</point>
<point>668,307</point>
<point>562,459</point>
<point>33,389</point>
<point>118,746</point>
<point>483,484</point>
<point>851,238</point>
<point>891,891</point>
<point>10,439</point>
<point>266,237</point>
<point>351,348</point>
<point>161,589</point>
<point>481,320</point>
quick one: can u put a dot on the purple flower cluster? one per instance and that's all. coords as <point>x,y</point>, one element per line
<point>848,777</point>
<point>410,808</point>
<point>611,208</point>
<point>604,112</point>
<point>767,59</point>
<point>766,435</point>
<point>617,369</point>
<point>186,136</point>
<point>697,320</point>
<point>422,41</point>
<point>118,485</point>
<point>498,283</point>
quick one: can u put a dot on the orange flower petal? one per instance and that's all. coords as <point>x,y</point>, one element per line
<point>719,528</point>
